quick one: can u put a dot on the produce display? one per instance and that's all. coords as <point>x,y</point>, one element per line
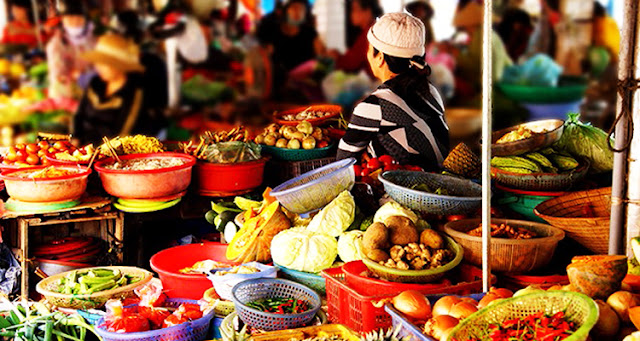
<point>302,136</point>
<point>546,161</point>
<point>584,140</point>
<point>81,282</point>
<point>371,167</point>
<point>280,305</point>
<point>538,326</point>
<point>397,244</point>
<point>137,144</point>
<point>50,172</point>
<point>146,164</point>
<point>34,154</point>
<point>516,135</point>
<point>504,231</point>
<point>224,147</point>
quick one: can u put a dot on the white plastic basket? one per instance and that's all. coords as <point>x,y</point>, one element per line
<point>224,284</point>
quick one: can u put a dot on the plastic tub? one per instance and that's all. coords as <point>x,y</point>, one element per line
<point>539,111</point>
<point>167,263</point>
<point>64,188</point>
<point>508,255</point>
<point>524,202</point>
<point>311,280</point>
<point>146,184</point>
<point>228,177</point>
<point>54,267</point>
<point>315,189</point>
<point>286,154</point>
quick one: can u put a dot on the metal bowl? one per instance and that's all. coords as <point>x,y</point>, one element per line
<point>553,130</point>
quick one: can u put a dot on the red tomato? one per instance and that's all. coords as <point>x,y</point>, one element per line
<point>173,320</point>
<point>32,148</point>
<point>20,146</point>
<point>52,150</point>
<point>59,145</point>
<point>11,157</point>
<point>386,159</point>
<point>21,156</point>
<point>391,167</point>
<point>374,164</point>
<point>128,324</point>
<point>365,172</point>
<point>12,150</point>
<point>43,145</point>
<point>32,159</point>
<point>42,153</point>
<point>357,169</point>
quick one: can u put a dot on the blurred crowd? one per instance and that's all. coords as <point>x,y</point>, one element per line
<point>125,68</point>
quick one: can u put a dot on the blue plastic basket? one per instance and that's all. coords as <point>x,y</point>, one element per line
<point>464,197</point>
<point>311,280</point>
<point>262,288</point>
<point>196,330</point>
<point>315,189</point>
<point>409,329</point>
<point>286,154</point>
<point>539,111</point>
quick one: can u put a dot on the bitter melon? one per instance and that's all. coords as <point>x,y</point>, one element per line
<point>564,163</point>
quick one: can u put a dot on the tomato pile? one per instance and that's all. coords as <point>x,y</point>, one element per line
<point>34,154</point>
<point>538,326</point>
<point>376,165</point>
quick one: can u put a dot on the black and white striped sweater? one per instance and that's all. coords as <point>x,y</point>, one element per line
<point>409,127</point>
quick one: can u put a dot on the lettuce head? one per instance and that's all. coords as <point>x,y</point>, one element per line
<point>336,217</point>
<point>350,246</point>
<point>300,249</point>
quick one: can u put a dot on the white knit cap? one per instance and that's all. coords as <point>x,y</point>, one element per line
<point>398,34</point>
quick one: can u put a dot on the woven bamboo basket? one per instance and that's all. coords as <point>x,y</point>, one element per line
<point>568,212</point>
<point>578,308</point>
<point>47,288</point>
<point>508,255</point>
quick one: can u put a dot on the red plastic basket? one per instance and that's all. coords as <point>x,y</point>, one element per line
<point>347,306</point>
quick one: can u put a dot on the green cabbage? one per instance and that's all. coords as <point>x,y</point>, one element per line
<point>587,141</point>
<point>350,246</point>
<point>391,209</point>
<point>303,250</point>
<point>336,217</point>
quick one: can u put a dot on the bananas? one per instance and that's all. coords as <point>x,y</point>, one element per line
<point>544,161</point>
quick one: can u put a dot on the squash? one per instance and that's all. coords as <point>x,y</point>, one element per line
<point>253,241</point>
<point>597,276</point>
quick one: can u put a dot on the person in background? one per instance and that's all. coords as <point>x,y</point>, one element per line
<point>68,73</point>
<point>515,29</point>
<point>605,31</point>
<point>363,15</point>
<point>404,117</point>
<point>20,30</point>
<point>113,104</point>
<point>422,10</point>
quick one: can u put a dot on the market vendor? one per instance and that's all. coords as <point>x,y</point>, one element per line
<point>112,105</point>
<point>20,30</point>
<point>404,117</point>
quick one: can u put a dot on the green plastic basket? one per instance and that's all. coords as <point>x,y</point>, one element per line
<point>311,280</point>
<point>285,154</point>
<point>542,94</point>
<point>578,308</point>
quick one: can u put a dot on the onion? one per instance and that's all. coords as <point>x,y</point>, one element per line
<point>501,292</point>
<point>469,300</point>
<point>621,301</point>
<point>488,298</point>
<point>608,323</point>
<point>439,325</point>
<point>445,334</point>
<point>462,310</point>
<point>443,306</point>
<point>413,304</point>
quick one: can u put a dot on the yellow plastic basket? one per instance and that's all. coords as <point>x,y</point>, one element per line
<point>578,308</point>
<point>47,288</point>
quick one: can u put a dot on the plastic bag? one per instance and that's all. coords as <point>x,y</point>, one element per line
<point>587,141</point>
<point>224,284</point>
<point>9,271</point>
<point>539,70</point>
<point>232,152</point>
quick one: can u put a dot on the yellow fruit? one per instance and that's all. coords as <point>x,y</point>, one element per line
<point>4,66</point>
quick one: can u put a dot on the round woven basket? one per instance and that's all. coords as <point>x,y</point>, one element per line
<point>578,308</point>
<point>508,255</point>
<point>541,181</point>
<point>47,288</point>
<point>569,213</point>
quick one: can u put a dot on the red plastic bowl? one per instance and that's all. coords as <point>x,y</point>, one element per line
<point>58,189</point>
<point>229,177</point>
<point>167,263</point>
<point>146,184</point>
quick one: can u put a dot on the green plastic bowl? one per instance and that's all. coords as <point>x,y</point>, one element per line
<point>417,276</point>
<point>313,281</point>
<point>541,94</point>
<point>285,154</point>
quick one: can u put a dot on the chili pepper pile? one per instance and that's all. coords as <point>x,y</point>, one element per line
<point>537,326</point>
<point>280,305</point>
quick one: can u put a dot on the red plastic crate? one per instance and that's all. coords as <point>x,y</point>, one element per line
<point>348,307</point>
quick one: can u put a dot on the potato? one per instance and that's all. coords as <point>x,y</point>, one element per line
<point>402,231</point>
<point>432,239</point>
<point>376,237</point>
<point>377,255</point>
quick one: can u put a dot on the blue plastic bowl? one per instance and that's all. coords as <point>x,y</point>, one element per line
<point>555,110</point>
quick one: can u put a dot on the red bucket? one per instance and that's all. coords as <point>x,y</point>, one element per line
<point>167,263</point>
<point>216,179</point>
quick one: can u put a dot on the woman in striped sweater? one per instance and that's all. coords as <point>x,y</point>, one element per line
<point>404,117</point>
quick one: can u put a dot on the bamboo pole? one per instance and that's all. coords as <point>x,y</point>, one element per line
<point>626,165</point>
<point>487,32</point>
